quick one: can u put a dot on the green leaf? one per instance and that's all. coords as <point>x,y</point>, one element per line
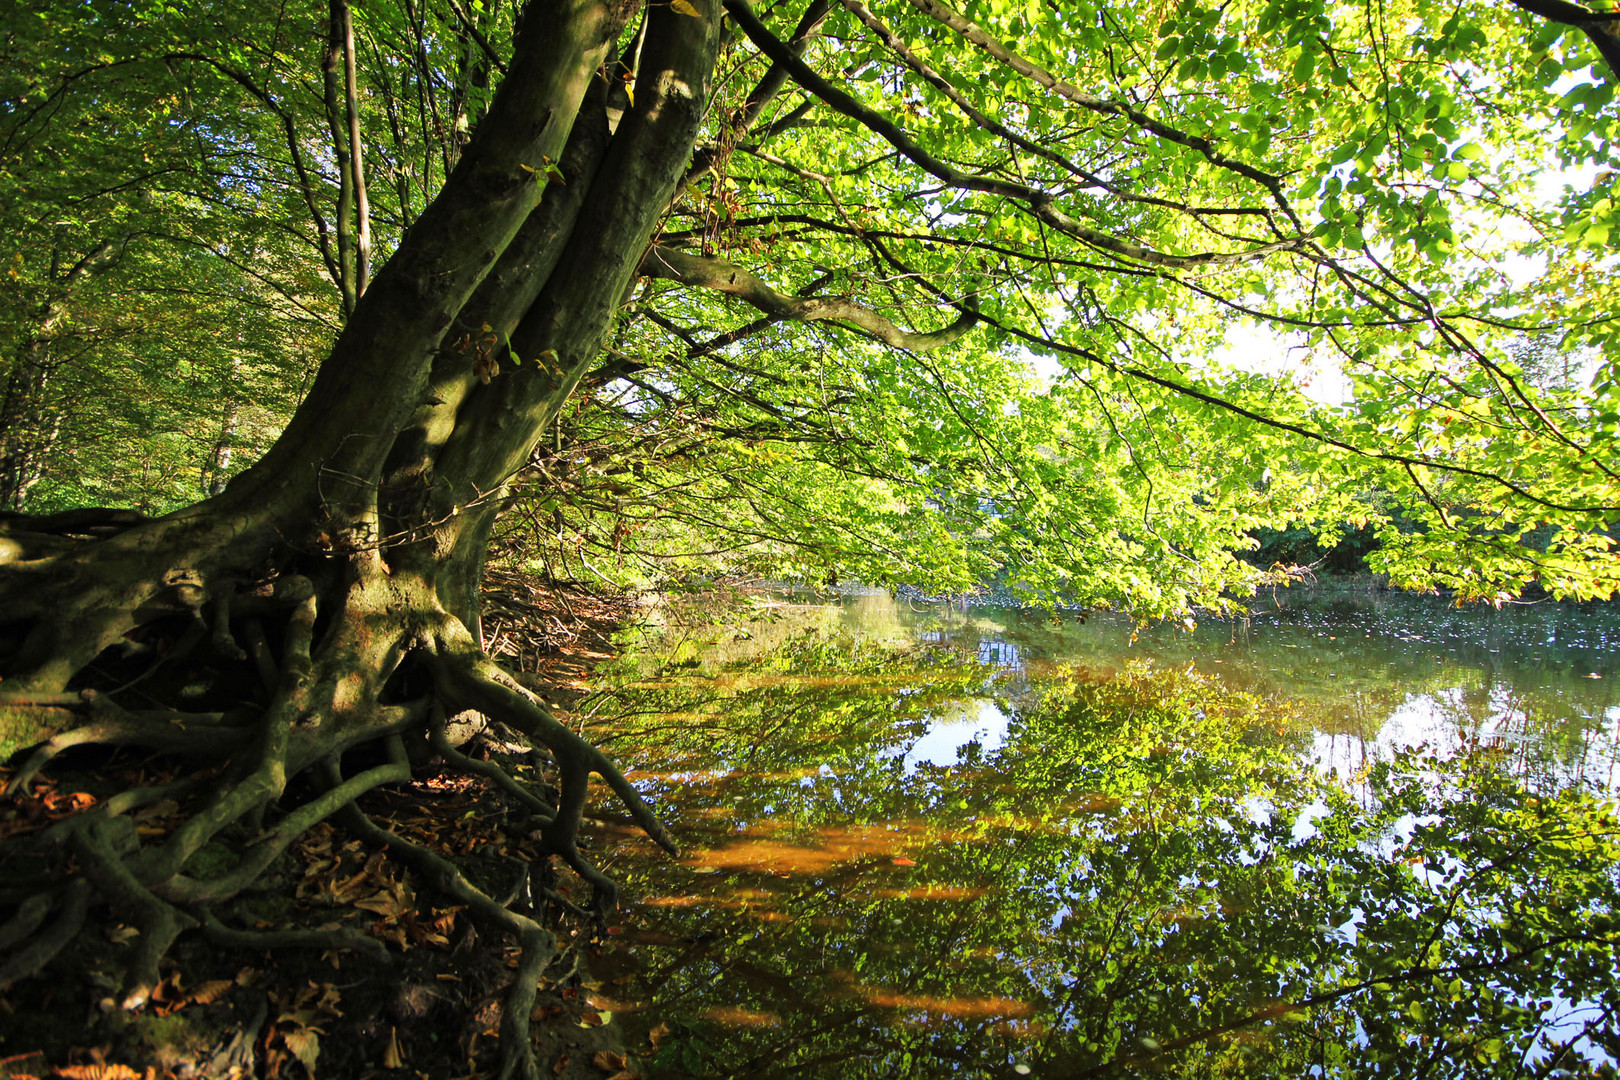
<point>1304,68</point>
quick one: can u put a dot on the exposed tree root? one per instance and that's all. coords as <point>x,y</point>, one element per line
<point>544,812</point>
<point>70,904</point>
<point>295,636</point>
<point>308,692</point>
<point>101,845</point>
<point>189,735</point>
<point>346,940</point>
<point>27,918</point>
<point>477,681</point>
<point>537,943</point>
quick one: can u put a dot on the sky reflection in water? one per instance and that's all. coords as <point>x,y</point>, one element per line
<point>1089,857</point>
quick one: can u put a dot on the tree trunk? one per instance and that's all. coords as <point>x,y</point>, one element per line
<point>27,426</point>
<point>339,573</point>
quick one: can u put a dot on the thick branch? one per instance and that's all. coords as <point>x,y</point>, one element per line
<point>560,336</point>
<point>733,280</point>
<point>775,77</point>
<point>1600,26</point>
<point>371,383</point>
<point>939,82</point>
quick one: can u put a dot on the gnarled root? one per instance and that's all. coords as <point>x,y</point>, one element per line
<point>536,942</point>
<point>70,903</point>
<point>310,692</point>
<point>470,679</point>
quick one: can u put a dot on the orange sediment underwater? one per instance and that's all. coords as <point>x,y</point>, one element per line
<point>733,1016</point>
<point>958,1007</point>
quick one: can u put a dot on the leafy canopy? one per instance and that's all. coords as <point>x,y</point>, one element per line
<point>1105,191</point>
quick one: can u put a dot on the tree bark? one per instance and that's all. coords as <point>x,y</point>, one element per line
<point>219,460</point>
<point>339,574</point>
<point>27,426</point>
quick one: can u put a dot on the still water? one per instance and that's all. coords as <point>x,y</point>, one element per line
<point>1354,834</point>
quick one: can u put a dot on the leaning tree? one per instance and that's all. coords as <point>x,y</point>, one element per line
<point>1106,187</point>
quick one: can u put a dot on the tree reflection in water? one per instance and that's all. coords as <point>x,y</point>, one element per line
<point>1150,873</point>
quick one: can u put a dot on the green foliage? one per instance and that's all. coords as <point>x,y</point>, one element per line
<point>1410,143</point>
<point>180,156</point>
<point>1370,181</point>
<point>946,472</point>
<point>1144,876</point>
<point>1341,554</point>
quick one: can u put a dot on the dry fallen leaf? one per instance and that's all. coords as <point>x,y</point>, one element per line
<point>168,989</point>
<point>210,992</point>
<point>392,901</point>
<point>120,935</point>
<point>421,934</point>
<point>96,1072</point>
<point>393,934</point>
<point>305,1046</point>
<point>608,1061</point>
<point>392,1058</point>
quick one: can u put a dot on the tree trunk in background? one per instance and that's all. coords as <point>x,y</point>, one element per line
<point>27,426</point>
<point>219,461</point>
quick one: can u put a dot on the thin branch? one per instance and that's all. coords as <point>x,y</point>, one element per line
<point>1322,437</point>
<point>1041,203</point>
<point>483,42</point>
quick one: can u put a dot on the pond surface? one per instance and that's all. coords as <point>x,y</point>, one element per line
<point>1354,834</point>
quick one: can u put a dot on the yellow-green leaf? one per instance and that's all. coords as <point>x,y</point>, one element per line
<point>305,1046</point>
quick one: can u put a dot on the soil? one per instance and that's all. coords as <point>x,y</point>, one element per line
<point>433,1009</point>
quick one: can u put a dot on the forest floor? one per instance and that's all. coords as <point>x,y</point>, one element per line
<point>432,1011</point>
